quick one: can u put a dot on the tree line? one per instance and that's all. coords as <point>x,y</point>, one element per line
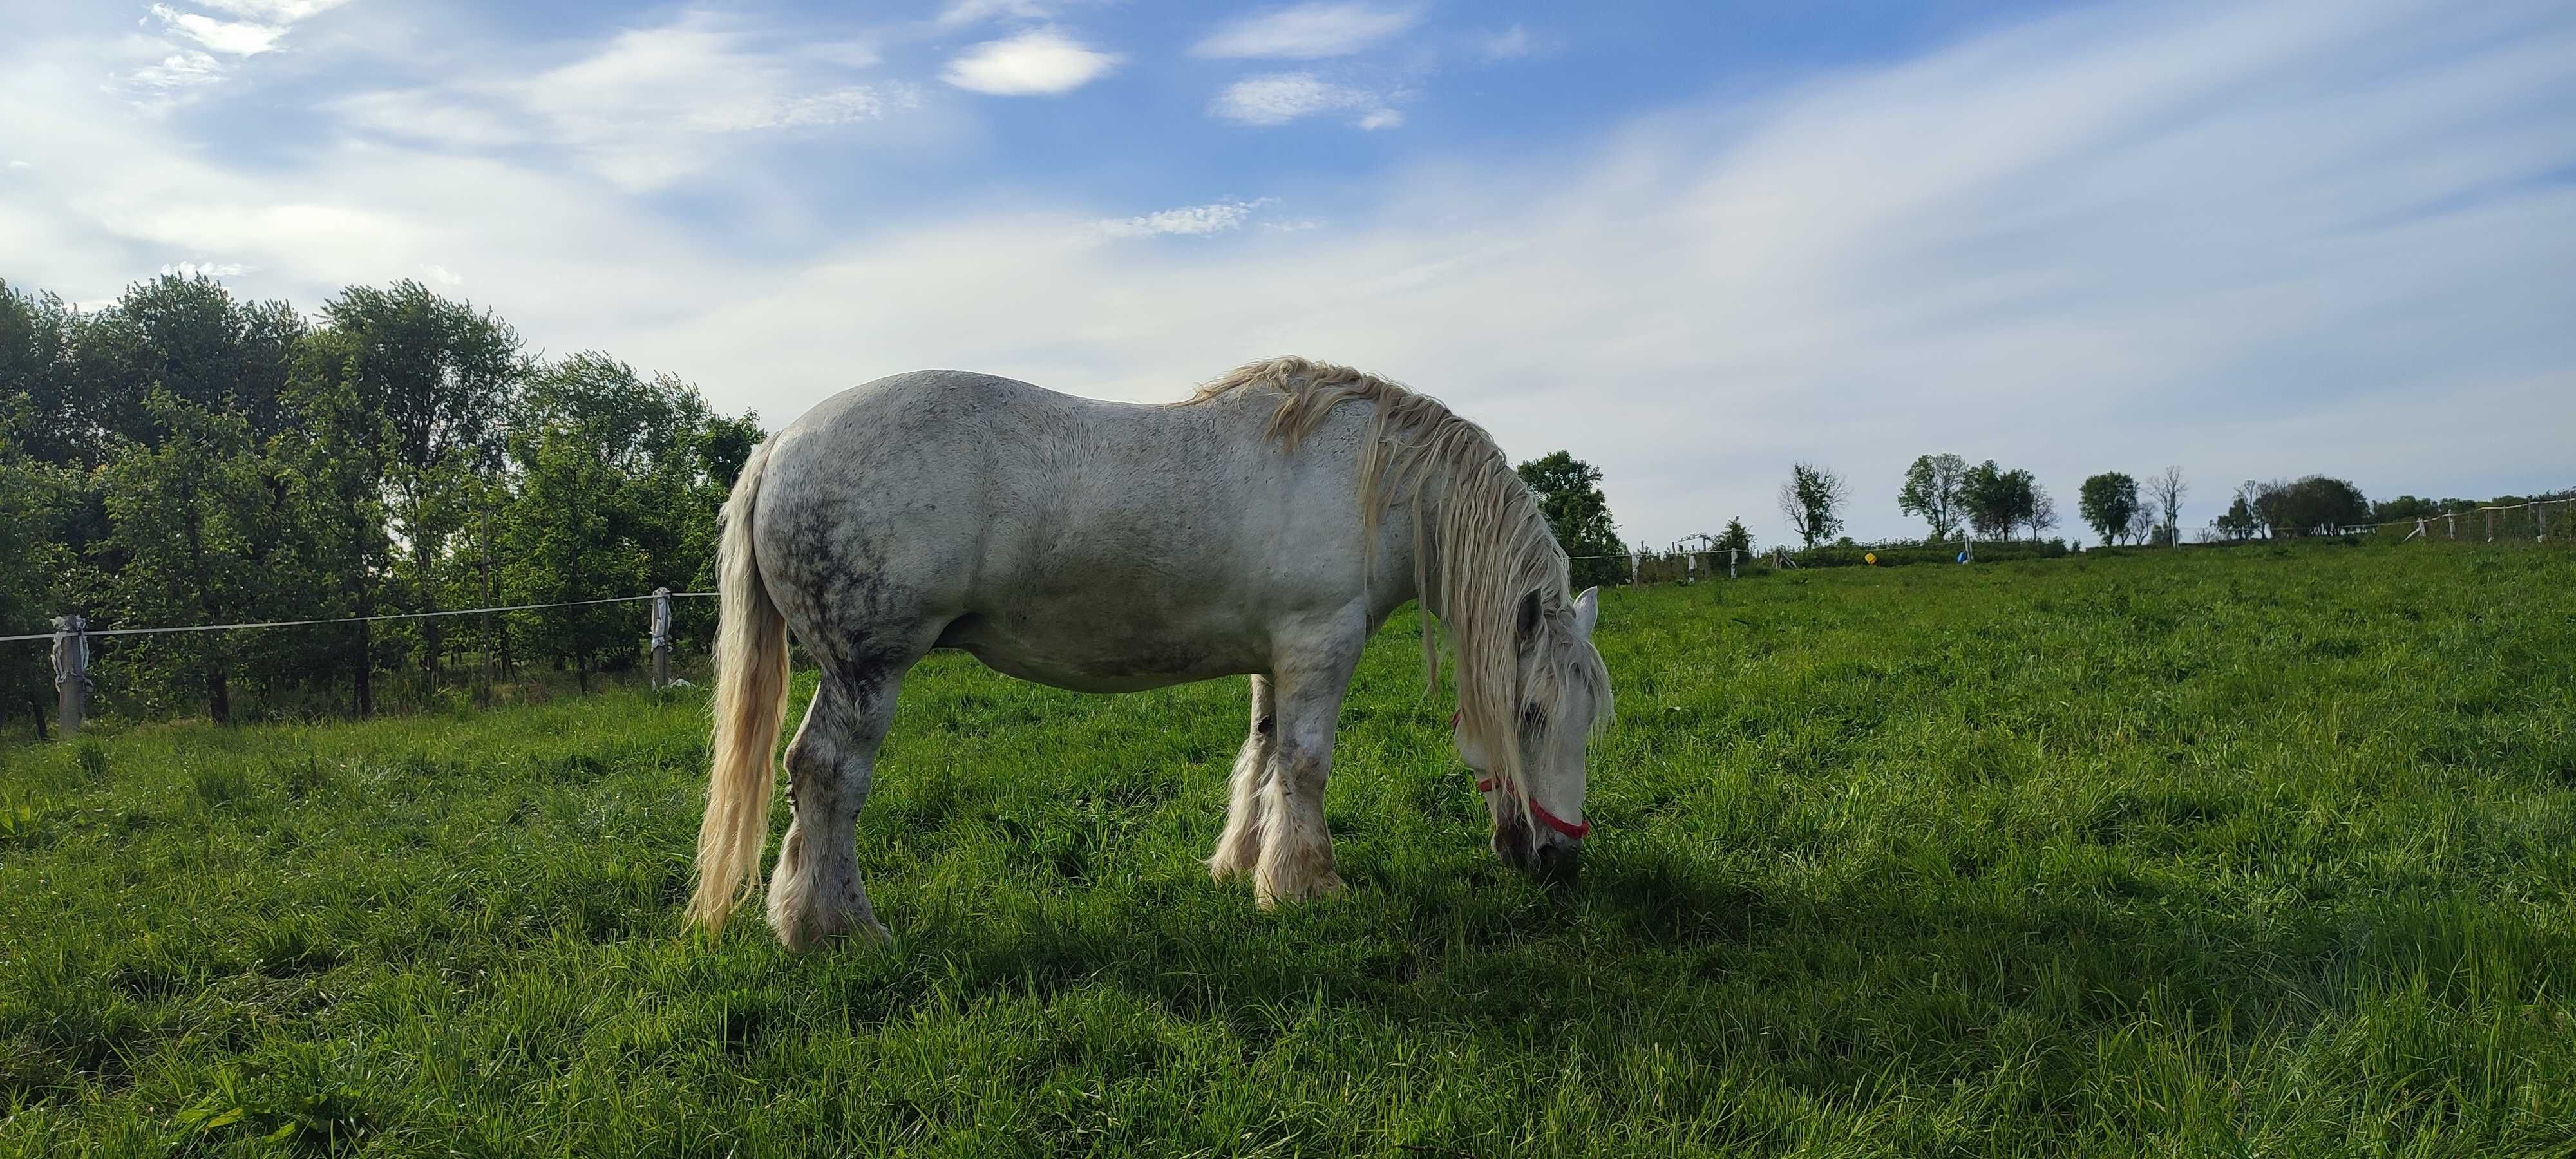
<point>185,456</point>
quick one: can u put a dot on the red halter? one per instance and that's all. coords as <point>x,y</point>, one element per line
<point>1551,820</point>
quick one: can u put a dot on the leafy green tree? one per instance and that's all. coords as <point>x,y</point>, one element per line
<point>2314,504</point>
<point>188,337</point>
<point>50,422</point>
<point>193,524</point>
<point>2109,502</point>
<point>1932,492</point>
<point>1812,500</point>
<point>335,466</point>
<point>726,443</point>
<point>1569,494</point>
<point>616,497</point>
<point>1997,500</point>
<point>1736,537</point>
<point>441,378</point>
<point>33,496</point>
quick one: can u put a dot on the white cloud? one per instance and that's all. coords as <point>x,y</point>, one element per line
<point>1038,63</point>
<point>1279,98</point>
<point>2254,241</point>
<point>228,37</point>
<point>208,269</point>
<point>1511,43</point>
<point>1307,32</point>
<point>649,107</point>
<point>1192,220</point>
<point>179,70</point>
<point>442,275</point>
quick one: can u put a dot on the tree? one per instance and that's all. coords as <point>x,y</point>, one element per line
<point>440,378</point>
<point>1812,500</point>
<point>1997,500</point>
<point>611,471</point>
<point>33,494</point>
<point>334,462</point>
<point>2109,502</point>
<point>48,419</point>
<point>193,520</point>
<point>2043,511</point>
<point>2143,523</point>
<point>2164,492</point>
<point>1736,537</point>
<point>1932,492</point>
<point>1569,495</point>
<point>2314,504</point>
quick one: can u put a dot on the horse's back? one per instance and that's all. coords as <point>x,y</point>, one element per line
<point>1076,541</point>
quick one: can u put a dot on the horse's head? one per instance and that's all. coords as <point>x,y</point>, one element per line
<point>1561,693</point>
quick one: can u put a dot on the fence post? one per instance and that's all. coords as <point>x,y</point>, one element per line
<point>71,673</point>
<point>2491,525</point>
<point>661,637</point>
<point>1730,563</point>
<point>2451,523</point>
<point>1633,578</point>
<point>1690,568</point>
<point>2540,523</point>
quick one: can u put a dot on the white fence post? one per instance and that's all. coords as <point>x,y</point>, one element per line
<point>1730,563</point>
<point>661,637</point>
<point>2452,523</point>
<point>71,672</point>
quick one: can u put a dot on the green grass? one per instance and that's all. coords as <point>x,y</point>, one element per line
<point>2248,852</point>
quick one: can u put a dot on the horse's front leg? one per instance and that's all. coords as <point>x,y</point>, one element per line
<point>1240,845</point>
<point>1296,859</point>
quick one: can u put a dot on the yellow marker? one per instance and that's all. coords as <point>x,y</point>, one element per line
<point>1872,557</point>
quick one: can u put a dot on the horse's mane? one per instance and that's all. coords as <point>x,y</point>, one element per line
<point>1484,548</point>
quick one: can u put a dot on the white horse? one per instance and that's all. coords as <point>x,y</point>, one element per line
<point>1265,526</point>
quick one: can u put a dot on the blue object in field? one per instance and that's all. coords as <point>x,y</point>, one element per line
<point>1963,556</point>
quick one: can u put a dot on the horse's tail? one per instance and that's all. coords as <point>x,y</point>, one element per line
<point>750,707</point>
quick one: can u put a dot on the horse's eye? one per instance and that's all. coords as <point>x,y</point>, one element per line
<point>1529,714</point>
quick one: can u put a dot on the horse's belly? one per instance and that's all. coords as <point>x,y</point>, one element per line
<point>1096,656</point>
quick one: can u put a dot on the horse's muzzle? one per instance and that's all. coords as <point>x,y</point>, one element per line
<point>1552,859</point>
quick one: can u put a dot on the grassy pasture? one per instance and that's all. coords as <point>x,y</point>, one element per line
<point>2258,851</point>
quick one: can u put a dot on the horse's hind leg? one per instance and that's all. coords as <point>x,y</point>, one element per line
<point>815,893</point>
<point>1240,845</point>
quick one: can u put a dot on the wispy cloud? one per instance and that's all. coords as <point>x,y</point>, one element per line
<point>1036,63</point>
<point>186,68</point>
<point>236,38</point>
<point>1279,98</point>
<point>644,109</point>
<point>1308,32</point>
<point>192,45</point>
<point>1512,43</point>
<point>274,11</point>
<point>1187,220</point>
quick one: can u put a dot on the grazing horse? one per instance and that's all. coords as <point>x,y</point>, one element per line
<point>1264,526</point>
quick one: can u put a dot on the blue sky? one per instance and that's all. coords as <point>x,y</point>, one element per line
<point>1690,242</point>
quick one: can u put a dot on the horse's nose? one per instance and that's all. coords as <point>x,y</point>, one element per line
<point>1559,864</point>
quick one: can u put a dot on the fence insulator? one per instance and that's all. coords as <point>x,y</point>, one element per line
<point>661,637</point>
<point>71,672</point>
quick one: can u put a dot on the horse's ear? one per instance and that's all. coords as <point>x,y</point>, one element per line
<point>1527,628</point>
<point>1587,612</point>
